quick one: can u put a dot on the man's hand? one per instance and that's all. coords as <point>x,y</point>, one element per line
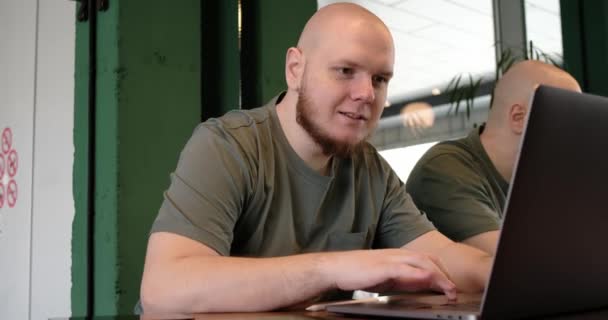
<point>389,269</point>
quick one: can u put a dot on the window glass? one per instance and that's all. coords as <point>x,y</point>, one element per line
<point>543,26</point>
<point>403,160</point>
<point>435,40</point>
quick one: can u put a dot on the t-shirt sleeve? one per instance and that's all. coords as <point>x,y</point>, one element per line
<point>400,220</point>
<point>451,192</point>
<point>207,191</point>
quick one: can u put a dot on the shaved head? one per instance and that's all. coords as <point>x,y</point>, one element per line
<point>337,78</point>
<point>503,131</point>
<point>336,19</point>
<point>518,84</point>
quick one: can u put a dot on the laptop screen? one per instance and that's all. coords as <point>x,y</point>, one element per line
<point>550,256</point>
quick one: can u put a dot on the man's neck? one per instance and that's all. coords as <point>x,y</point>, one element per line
<point>301,142</point>
<point>500,151</point>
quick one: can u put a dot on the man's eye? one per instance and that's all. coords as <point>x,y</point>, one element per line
<point>345,71</point>
<point>380,80</point>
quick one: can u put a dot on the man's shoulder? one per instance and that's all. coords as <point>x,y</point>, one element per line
<point>242,126</point>
<point>447,158</point>
<point>237,119</point>
<point>241,132</point>
<point>459,149</point>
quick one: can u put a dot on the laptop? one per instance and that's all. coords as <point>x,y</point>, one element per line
<point>550,257</point>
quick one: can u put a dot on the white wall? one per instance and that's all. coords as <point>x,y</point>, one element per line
<point>36,102</point>
<point>17,73</point>
<point>53,205</point>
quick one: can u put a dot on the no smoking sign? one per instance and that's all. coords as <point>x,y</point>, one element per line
<point>2,165</point>
<point>9,163</point>
<point>1,195</point>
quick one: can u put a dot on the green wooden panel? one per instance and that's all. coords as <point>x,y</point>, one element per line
<point>269,28</point>
<point>159,102</point>
<point>596,42</point>
<point>585,41</point>
<point>148,102</point>
<point>220,57</point>
<point>107,262</point>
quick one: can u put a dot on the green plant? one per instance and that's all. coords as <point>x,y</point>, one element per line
<point>463,88</point>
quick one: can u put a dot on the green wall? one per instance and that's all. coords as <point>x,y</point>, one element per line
<point>220,57</point>
<point>269,28</point>
<point>161,67</point>
<point>148,102</point>
<point>585,39</point>
<point>157,84</point>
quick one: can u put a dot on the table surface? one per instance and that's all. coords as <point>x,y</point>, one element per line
<point>318,315</point>
<point>302,315</point>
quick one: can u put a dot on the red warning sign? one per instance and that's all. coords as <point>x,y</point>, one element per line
<point>11,193</point>
<point>7,140</point>
<point>8,164</point>
<point>11,163</point>
<point>1,195</point>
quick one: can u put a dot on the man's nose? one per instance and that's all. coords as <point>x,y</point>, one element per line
<point>363,89</point>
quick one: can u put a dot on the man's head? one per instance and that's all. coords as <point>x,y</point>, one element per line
<point>339,73</point>
<point>512,95</point>
<point>514,91</point>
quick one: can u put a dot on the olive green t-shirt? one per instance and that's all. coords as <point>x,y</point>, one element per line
<point>241,189</point>
<point>458,187</point>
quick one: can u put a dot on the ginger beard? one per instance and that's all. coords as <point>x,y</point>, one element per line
<point>329,145</point>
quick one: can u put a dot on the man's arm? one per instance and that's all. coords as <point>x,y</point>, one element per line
<point>486,241</point>
<point>457,200</point>
<point>185,276</point>
<point>468,267</point>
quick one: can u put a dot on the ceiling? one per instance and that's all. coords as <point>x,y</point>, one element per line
<point>438,39</point>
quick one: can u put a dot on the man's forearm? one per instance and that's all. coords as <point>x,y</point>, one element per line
<point>212,283</point>
<point>485,241</point>
<point>184,276</point>
<point>468,266</point>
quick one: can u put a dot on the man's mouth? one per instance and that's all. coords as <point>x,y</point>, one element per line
<point>354,116</point>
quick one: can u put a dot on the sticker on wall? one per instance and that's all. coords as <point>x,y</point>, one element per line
<point>11,194</point>
<point>9,164</point>
<point>7,140</point>
<point>1,194</point>
<point>1,166</point>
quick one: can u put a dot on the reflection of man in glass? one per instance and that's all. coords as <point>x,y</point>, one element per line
<point>417,116</point>
<point>462,184</point>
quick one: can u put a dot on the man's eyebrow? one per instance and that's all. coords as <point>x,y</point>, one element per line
<point>387,74</point>
<point>350,63</point>
<point>347,62</point>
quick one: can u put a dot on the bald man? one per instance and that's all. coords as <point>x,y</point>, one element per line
<point>278,205</point>
<point>462,184</point>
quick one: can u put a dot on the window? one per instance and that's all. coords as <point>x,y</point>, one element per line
<point>436,40</point>
<point>543,26</point>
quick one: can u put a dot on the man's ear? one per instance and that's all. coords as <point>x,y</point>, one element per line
<point>517,117</point>
<point>294,68</point>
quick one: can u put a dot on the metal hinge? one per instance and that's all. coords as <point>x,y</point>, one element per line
<point>83,11</point>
